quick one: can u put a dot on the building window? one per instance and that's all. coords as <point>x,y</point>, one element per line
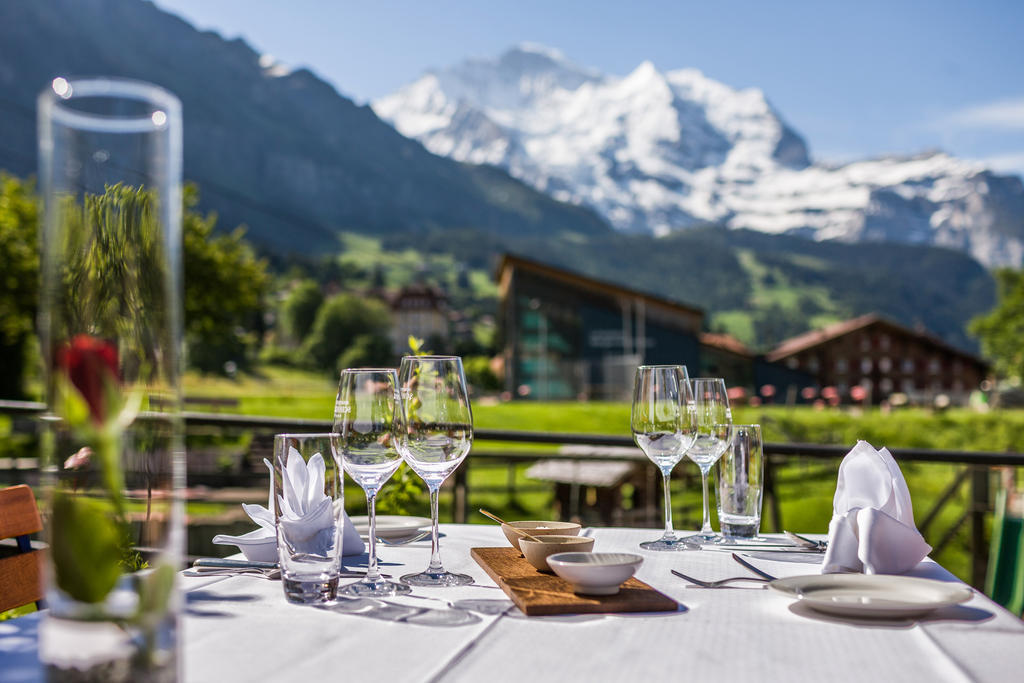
<point>865,342</point>
<point>865,365</point>
<point>884,364</point>
<point>885,385</point>
<point>812,363</point>
<point>908,386</point>
<point>958,366</point>
<point>792,363</point>
<point>908,366</point>
<point>934,365</point>
<point>883,342</point>
<point>840,365</point>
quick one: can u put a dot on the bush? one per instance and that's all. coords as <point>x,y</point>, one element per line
<point>479,373</point>
<point>366,350</point>
<point>340,320</point>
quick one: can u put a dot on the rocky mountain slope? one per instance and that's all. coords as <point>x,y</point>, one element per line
<point>278,150</point>
<point>662,151</point>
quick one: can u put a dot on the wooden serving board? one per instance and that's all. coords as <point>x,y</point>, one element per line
<point>539,593</point>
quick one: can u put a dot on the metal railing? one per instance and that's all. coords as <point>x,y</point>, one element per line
<point>975,473</point>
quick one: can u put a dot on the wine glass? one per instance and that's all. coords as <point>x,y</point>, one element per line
<point>368,416</point>
<point>437,436</point>
<point>663,427</point>
<point>714,432</point>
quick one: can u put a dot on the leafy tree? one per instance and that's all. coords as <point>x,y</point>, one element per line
<point>299,309</point>
<point>225,284</point>
<point>366,350</point>
<point>340,320</point>
<point>1001,330</point>
<point>19,280</point>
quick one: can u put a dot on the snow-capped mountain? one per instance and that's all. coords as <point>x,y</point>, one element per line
<point>660,151</point>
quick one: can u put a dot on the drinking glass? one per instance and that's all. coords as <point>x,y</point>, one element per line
<point>309,507</point>
<point>663,427</point>
<point>741,483</point>
<point>110,318</point>
<point>437,436</point>
<point>714,420</point>
<point>368,416</point>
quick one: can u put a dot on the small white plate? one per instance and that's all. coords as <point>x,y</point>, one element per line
<point>391,527</point>
<point>873,595</point>
<point>595,573</point>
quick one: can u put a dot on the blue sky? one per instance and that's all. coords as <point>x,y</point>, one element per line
<point>856,79</point>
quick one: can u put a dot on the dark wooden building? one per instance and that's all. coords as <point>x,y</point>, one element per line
<point>883,358</point>
<point>571,336</point>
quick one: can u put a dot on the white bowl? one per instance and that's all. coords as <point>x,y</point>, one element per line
<point>539,528</point>
<point>595,573</point>
<point>257,546</point>
<point>537,554</point>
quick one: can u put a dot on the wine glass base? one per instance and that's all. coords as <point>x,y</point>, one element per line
<point>441,579</point>
<point>701,539</point>
<point>374,589</point>
<point>673,545</point>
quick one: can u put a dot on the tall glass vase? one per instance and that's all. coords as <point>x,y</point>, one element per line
<point>110,325</point>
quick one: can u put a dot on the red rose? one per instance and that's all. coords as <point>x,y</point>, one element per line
<point>90,363</point>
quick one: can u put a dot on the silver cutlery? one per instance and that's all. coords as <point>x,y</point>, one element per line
<point>719,582</point>
<point>405,541</point>
<point>805,542</point>
<point>752,568</point>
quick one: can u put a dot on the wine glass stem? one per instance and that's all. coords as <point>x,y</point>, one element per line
<point>706,527</point>
<point>665,478</point>
<point>435,545</point>
<point>372,574</point>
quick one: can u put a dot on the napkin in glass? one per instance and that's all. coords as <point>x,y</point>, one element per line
<point>872,528</point>
<point>300,507</point>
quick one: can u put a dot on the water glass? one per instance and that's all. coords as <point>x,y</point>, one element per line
<point>309,507</point>
<point>741,484</point>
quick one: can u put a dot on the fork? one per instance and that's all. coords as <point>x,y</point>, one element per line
<point>404,541</point>
<point>719,582</point>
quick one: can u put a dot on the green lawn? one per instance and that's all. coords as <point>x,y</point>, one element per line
<point>805,487</point>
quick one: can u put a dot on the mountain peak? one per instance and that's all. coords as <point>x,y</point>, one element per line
<point>658,151</point>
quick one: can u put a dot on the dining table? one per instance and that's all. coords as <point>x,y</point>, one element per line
<point>241,628</point>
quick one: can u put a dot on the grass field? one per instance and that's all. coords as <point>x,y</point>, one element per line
<point>805,487</point>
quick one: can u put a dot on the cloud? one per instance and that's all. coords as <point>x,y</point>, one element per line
<point>1002,114</point>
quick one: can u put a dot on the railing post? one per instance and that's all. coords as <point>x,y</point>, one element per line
<point>978,510</point>
<point>769,491</point>
<point>460,494</point>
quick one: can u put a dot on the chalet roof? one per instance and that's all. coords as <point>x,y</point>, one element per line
<point>588,283</point>
<point>808,340</point>
<point>725,342</point>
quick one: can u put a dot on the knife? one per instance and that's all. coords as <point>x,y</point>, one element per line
<point>222,563</point>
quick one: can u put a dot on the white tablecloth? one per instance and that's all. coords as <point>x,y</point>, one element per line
<point>241,628</point>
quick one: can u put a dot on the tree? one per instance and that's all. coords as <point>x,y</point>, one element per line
<point>225,284</point>
<point>19,280</point>
<point>366,350</point>
<point>299,309</point>
<point>339,321</point>
<point>1001,330</point>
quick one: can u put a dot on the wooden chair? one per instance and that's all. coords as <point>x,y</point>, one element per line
<point>21,568</point>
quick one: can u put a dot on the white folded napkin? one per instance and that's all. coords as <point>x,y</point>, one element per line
<point>307,512</point>
<point>351,543</point>
<point>872,528</point>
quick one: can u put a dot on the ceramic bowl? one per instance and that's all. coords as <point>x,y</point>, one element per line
<point>595,573</point>
<point>539,528</point>
<point>257,546</point>
<point>537,553</point>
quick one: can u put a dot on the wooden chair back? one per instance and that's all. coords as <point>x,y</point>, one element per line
<point>21,567</point>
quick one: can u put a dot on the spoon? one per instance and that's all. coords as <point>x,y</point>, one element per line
<point>499,520</point>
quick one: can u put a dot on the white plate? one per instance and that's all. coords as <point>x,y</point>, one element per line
<point>391,526</point>
<point>875,595</point>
